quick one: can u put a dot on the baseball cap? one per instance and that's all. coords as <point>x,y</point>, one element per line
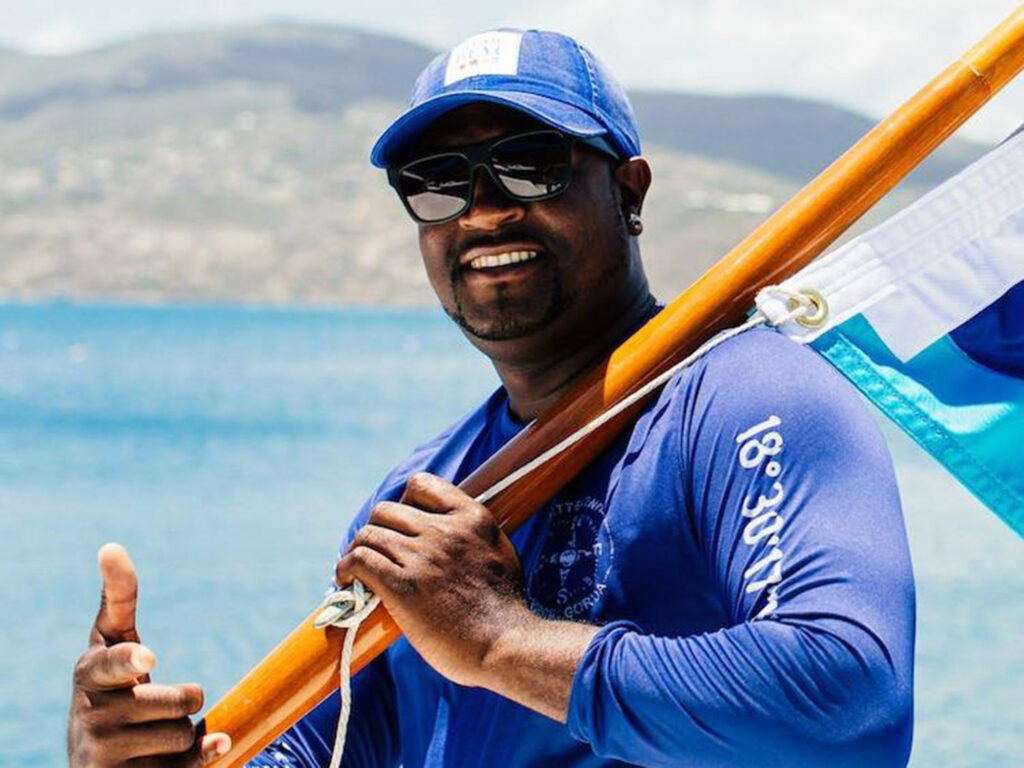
<point>544,74</point>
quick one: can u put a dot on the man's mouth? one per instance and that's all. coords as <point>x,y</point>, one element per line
<point>503,259</point>
<point>504,290</point>
<point>512,258</point>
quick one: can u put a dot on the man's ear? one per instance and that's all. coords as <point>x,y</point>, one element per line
<point>633,178</point>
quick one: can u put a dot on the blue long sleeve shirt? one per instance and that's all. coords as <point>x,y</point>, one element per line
<point>742,548</point>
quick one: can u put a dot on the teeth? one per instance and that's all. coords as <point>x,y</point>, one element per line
<point>502,259</point>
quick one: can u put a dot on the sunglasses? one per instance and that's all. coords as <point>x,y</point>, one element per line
<point>526,167</point>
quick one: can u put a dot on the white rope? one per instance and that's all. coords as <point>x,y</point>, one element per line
<point>348,608</point>
<point>659,380</point>
<point>345,609</point>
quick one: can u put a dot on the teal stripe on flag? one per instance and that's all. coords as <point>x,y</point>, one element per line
<point>967,416</point>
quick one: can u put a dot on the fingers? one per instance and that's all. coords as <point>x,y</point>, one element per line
<point>212,746</point>
<point>434,494</point>
<point>378,550</point>
<point>137,725</point>
<point>203,752</point>
<point>399,517</point>
<point>117,716</point>
<point>115,621</point>
<point>378,572</point>
<point>147,703</point>
<point>118,666</point>
<point>166,737</point>
<point>393,545</point>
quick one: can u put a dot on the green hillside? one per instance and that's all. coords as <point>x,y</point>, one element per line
<point>231,164</point>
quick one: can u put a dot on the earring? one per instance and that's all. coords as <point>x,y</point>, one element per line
<point>635,225</point>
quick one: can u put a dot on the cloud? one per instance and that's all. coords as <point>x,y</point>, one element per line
<point>62,35</point>
<point>869,55</point>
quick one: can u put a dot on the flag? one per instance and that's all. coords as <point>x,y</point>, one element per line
<point>925,315</point>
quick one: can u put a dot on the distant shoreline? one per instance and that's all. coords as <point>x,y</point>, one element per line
<point>129,303</point>
<point>235,171</point>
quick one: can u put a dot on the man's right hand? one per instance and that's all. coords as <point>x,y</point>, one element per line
<point>118,717</point>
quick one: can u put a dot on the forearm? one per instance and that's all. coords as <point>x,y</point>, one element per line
<point>802,694</point>
<point>806,695</point>
<point>534,661</point>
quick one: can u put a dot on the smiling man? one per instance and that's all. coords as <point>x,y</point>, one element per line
<point>728,584</point>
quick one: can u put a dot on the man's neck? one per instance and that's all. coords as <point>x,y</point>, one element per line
<point>534,387</point>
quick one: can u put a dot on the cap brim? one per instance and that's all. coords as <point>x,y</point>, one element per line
<point>403,132</point>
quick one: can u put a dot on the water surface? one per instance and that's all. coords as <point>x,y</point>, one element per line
<point>228,448</point>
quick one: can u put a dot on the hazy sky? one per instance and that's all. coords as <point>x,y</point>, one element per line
<point>867,54</point>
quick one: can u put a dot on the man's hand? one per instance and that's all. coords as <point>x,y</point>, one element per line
<point>118,717</point>
<point>445,571</point>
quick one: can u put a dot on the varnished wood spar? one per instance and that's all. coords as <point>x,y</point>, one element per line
<point>303,669</point>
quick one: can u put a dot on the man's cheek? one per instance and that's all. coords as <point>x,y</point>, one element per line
<point>440,273</point>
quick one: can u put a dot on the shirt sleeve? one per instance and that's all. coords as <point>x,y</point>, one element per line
<point>789,491</point>
<point>372,740</point>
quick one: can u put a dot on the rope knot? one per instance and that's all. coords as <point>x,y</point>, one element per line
<point>346,608</point>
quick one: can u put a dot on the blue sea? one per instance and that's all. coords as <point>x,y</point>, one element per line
<point>229,447</point>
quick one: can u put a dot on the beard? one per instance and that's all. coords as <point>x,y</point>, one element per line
<point>507,316</point>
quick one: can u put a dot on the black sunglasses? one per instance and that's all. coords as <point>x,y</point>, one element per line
<point>526,167</point>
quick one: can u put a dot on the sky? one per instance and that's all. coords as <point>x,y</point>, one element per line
<point>869,55</point>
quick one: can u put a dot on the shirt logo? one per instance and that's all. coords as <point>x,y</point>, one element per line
<point>489,53</point>
<point>571,572</point>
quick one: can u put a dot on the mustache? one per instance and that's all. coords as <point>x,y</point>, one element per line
<point>507,235</point>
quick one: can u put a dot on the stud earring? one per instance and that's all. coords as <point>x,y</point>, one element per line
<point>635,225</point>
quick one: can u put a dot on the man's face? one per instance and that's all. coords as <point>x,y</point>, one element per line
<point>577,254</point>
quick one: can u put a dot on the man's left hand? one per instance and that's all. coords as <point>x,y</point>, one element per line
<point>446,573</point>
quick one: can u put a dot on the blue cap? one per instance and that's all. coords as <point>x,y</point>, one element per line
<point>544,74</point>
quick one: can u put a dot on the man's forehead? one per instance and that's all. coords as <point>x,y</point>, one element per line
<point>475,122</point>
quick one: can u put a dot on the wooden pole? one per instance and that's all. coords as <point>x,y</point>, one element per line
<point>303,669</point>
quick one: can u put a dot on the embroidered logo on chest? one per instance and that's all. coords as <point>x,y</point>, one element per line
<point>571,572</point>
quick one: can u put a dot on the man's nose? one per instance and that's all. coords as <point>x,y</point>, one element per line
<point>491,208</point>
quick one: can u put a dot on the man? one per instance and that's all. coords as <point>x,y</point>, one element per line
<point>728,584</point>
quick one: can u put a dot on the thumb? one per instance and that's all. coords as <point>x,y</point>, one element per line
<point>115,622</point>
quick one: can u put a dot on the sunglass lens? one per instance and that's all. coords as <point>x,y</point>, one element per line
<point>435,188</point>
<point>532,166</point>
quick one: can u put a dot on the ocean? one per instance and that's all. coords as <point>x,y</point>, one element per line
<point>229,447</point>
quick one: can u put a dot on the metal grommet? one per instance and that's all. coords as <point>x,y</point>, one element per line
<point>817,318</point>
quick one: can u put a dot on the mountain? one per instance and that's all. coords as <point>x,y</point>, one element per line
<point>231,164</point>
<point>791,137</point>
<point>322,68</point>
<point>326,69</point>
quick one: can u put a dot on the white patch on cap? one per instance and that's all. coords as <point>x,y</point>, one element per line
<point>489,53</point>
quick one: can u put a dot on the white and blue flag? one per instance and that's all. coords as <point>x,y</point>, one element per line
<point>925,315</point>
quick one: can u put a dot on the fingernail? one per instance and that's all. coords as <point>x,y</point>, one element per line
<point>223,746</point>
